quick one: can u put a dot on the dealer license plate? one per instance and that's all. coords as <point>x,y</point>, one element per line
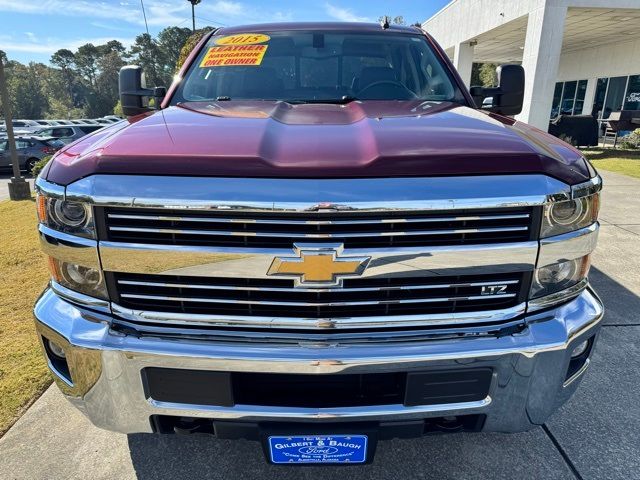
<point>318,449</point>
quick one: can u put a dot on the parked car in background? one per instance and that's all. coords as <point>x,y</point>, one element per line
<point>30,150</point>
<point>16,132</point>
<point>22,126</point>
<point>69,133</point>
<point>113,118</point>
<point>31,125</point>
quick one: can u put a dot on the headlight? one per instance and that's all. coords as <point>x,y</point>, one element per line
<point>569,215</point>
<point>70,217</point>
<point>559,276</point>
<point>86,280</point>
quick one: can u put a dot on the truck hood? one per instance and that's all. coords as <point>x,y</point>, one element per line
<point>278,139</point>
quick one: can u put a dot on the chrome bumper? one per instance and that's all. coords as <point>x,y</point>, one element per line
<point>529,380</point>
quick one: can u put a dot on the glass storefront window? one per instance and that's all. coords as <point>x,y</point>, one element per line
<point>611,95</point>
<point>615,96</point>
<point>557,96</point>
<point>568,98</point>
<point>632,98</point>
<point>580,93</point>
<point>598,101</point>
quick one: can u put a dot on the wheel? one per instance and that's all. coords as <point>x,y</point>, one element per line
<point>28,166</point>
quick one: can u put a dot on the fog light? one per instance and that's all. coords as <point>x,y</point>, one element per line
<point>580,349</point>
<point>56,349</point>
<point>559,276</point>
<point>82,276</point>
<point>85,280</point>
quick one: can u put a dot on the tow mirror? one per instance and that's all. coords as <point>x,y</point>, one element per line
<point>508,96</point>
<point>134,96</point>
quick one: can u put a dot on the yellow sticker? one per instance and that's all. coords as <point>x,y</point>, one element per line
<point>243,39</point>
<point>234,55</point>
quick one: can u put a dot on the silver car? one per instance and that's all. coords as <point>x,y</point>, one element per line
<point>22,126</point>
<point>68,133</point>
<point>30,151</point>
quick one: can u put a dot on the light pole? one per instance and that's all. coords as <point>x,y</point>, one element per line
<point>18,186</point>
<point>193,11</point>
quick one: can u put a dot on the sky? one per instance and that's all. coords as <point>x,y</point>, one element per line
<point>33,30</point>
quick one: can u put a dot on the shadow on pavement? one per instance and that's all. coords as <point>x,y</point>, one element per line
<point>449,456</point>
<point>622,306</point>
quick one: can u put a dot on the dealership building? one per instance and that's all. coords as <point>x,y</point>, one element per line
<point>579,56</point>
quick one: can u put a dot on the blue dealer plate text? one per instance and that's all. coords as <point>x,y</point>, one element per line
<point>318,449</point>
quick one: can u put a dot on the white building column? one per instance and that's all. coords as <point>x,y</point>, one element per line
<point>463,61</point>
<point>589,96</point>
<point>540,59</point>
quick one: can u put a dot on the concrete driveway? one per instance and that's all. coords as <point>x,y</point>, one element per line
<point>595,436</point>
<point>5,178</point>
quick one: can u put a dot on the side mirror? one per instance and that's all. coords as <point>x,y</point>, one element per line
<point>134,96</point>
<point>508,96</point>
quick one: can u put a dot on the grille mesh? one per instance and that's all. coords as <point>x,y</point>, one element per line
<point>355,230</point>
<point>279,298</point>
<point>362,303</point>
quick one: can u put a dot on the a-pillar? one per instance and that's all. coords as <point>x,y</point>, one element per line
<point>540,59</point>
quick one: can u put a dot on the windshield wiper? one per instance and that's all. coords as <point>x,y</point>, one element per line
<point>333,101</point>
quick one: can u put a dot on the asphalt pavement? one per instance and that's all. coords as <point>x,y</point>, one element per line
<point>596,435</point>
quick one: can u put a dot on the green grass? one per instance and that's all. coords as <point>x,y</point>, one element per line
<point>23,275</point>
<point>626,162</point>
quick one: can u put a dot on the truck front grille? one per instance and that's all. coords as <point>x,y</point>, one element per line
<point>231,228</point>
<point>276,298</point>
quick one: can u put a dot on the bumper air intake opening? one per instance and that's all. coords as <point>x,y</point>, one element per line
<point>57,359</point>
<point>579,361</point>
<point>202,387</point>
<point>234,430</point>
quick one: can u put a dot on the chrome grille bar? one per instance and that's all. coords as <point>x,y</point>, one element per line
<point>317,304</point>
<point>313,290</point>
<point>276,229</point>
<point>310,324</point>
<point>279,299</point>
<point>286,221</point>
<point>390,233</point>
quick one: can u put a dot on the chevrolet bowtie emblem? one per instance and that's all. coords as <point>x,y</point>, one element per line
<point>318,265</point>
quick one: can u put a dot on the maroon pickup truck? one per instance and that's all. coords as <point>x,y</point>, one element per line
<point>317,240</point>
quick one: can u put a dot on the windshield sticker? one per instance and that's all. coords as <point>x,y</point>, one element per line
<point>243,39</point>
<point>234,55</point>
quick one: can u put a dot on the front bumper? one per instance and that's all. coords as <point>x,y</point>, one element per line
<point>529,369</point>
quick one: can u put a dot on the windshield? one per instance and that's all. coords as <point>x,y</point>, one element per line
<point>317,66</point>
